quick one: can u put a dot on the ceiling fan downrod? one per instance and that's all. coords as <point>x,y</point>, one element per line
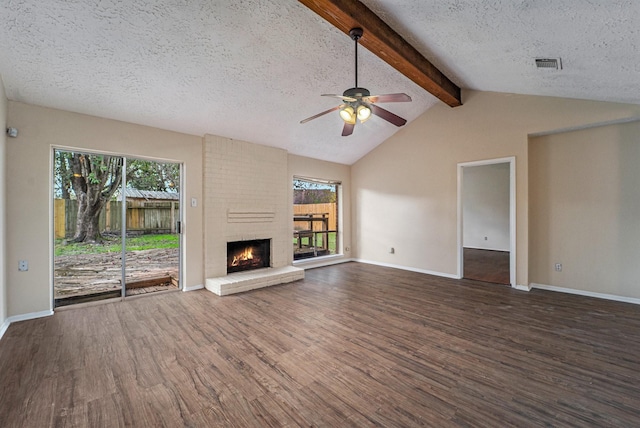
<point>355,34</point>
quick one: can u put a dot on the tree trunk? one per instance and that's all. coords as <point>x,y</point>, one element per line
<point>87,223</point>
<point>95,179</point>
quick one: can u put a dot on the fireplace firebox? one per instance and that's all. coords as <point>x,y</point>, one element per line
<point>248,255</point>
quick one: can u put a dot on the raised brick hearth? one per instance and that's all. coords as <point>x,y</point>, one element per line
<point>250,280</point>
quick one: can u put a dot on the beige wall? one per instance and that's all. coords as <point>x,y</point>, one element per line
<point>404,192</point>
<point>29,234</point>
<point>585,210</point>
<point>485,207</point>
<point>311,168</point>
<point>3,183</point>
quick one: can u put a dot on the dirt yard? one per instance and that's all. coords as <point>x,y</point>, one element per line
<point>83,274</point>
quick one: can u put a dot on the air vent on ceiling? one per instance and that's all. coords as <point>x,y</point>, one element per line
<point>549,63</point>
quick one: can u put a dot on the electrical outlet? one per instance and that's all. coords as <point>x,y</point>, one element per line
<point>346,249</point>
<point>486,238</point>
<point>194,202</point>
<point>392,250</point>
<point>558,267</point>
<point>23,265</point>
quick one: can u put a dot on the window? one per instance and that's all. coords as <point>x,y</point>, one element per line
<point>315,218</point>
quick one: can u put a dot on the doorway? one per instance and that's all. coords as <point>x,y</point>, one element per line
<point>116,223</point>
<point>486,221</point>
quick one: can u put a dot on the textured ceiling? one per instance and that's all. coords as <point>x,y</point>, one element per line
<point>252,69</point>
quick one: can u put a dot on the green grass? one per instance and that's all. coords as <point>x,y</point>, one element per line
<point>332,241</point>
<point>113,244</point>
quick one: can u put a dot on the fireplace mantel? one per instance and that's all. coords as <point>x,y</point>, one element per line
<point>250,216</point>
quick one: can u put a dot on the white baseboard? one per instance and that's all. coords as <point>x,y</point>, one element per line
<point>428,272</point>
<point>194,287</point>
<point>30,316</point>
<point>320,262</point>
<point>521,287</point>
<point>617,298</point>
<point>23,317</point>
<point>4,327</point>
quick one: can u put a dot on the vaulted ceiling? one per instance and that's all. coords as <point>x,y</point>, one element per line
<point>252,69</point>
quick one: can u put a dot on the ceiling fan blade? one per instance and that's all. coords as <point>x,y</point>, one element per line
<point>348,129</point>
<point>322,114</point>
<point>387,115</point>
<point>341,97</point>
<point>387,98</point>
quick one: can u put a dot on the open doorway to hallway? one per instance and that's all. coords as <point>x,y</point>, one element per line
<point>486,223</point>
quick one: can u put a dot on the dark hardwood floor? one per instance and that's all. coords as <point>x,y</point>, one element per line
<point>351,345</point>
<point>486,265</point>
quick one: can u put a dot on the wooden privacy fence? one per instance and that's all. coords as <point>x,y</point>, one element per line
<point>327,208</point>
<point>142,217</point>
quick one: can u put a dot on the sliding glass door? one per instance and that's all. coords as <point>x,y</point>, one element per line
<point>88,243</point>
<point>152,226</point>
<point>95,214</point>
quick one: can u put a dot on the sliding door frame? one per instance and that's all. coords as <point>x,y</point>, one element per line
<point>123,213</point>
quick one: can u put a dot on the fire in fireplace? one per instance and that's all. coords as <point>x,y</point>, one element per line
<point>248,255</point>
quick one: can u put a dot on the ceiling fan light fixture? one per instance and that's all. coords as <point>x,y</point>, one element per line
<point>348,115</point>
<point>359,104</point>
<point>364,113</point>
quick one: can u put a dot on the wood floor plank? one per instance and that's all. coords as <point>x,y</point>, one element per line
<point>486,265</point>
<point>350,345</point>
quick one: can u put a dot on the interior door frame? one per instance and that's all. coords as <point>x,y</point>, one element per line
<point>512,213</point>
<point>181,216</point>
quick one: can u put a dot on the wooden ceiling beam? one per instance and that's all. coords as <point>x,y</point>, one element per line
<point>388,45</point>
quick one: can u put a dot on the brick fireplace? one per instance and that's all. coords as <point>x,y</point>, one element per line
<point>246,198</point>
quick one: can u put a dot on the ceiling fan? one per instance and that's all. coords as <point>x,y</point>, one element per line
<point>358,103</point>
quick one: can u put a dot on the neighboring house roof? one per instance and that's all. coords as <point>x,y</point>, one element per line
<point>151,195</point>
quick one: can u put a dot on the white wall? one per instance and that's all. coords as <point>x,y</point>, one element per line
<point>29,171</point>
<point>485,207</point>
<point>585,210</point>
<point>3,184</point>
<point>404,192</point>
